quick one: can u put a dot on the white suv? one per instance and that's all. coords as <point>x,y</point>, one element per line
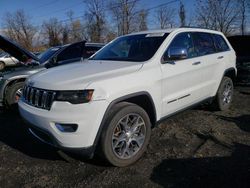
<point>113,100</point>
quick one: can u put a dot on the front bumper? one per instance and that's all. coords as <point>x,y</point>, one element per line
<point>87,116</point>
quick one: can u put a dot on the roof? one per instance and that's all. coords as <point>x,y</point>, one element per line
<point>188,29</point>
<point>94,44</point>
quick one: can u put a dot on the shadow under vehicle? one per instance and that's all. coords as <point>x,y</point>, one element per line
<point>12,79</point>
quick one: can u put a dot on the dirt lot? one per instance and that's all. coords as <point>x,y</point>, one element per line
<point>197,148</point>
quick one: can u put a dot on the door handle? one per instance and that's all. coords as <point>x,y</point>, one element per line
<point>196,63</point>
<point>220,57</point>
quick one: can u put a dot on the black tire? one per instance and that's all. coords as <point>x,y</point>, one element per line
<point>2,65</point>
<point>11,94</point>
<point>117,113</point>
<point>223,97</point>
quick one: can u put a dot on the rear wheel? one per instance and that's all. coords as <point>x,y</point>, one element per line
<point>126,134</point>
<point>2,65</point>
<point>224,94</point>
<point>14,93</point>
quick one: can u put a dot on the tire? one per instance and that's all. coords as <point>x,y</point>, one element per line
<point>13,94</point>
<point>2,65</point>
<point>118,133</point>
<point>224,94</point>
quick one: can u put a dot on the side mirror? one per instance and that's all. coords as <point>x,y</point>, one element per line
<point>51,62</point>
<point>54,60</point>
<point>174,54</point>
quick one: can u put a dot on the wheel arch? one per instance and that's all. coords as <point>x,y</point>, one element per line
<point>142,99</point>
<point>231,73</point>
<point>10,83</point>
<point>3,63</point>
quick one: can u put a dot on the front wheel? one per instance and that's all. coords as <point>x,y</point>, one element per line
<point>13,94</point>
<point>2,65</point>
<point>224,94</point>
<point>126,134</point>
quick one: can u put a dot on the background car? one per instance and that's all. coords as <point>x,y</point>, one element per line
<point>12,80</point>
<point>7,60</point>
<point>241,46</point>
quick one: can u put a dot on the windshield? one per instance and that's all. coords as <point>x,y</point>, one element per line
<point>137,48</point>
<point>43,57</point>
<point>3,54</point>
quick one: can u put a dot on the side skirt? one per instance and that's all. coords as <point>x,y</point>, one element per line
<point>208,100</point>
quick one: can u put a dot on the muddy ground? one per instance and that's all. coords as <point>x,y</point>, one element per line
<point>197,148</point>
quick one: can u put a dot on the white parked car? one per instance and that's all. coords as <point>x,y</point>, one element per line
<point>127,87</point>
<point>7,60</point>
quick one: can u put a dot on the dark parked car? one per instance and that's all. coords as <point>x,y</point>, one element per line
<point>241,46</point>
<point>12,80</point>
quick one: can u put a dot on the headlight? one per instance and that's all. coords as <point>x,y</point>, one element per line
<point>75,97</point>
<point>1,77</point>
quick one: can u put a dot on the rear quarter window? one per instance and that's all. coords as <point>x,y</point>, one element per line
<point>220,43</point>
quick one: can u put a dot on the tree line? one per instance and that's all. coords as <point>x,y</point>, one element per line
<point>105,20</point>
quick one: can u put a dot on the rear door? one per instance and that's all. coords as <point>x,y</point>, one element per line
<point>209,62</point>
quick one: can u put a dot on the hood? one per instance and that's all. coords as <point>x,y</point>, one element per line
<point>16,51</point>
<point>80,75</point>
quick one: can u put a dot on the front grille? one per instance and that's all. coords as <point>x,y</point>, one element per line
<point>38,97</point>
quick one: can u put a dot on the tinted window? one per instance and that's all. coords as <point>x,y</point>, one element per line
<point>138,48</point>
<point>90,50</point>
<point>2,54</point>
<point>203,43</point>
<point>48,53</point>
<point>184,41</point>
<point>71,52</point>
<point>220,43</point>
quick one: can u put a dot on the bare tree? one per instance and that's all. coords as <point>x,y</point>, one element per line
<point>142,19</point>
<point>52,31</point>
<point>65,34</point>
<point>182,15</point>
<point>220,15</point>
<point>19,28</point>
<point>95,15</point>
<point>243,9</point>
<point>76,30</point>
<point>164,17</point>
<point>124,12</point>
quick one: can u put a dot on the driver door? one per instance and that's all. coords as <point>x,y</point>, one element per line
<point>181,78</point>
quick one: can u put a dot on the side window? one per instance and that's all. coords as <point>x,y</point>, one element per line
<point>71,52</point>
<point>183,41</point>
<point>90,50</point>
<point>203,43</point>
<point>220,43</point>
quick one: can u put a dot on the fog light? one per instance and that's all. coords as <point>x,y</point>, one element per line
<point>66,127</point>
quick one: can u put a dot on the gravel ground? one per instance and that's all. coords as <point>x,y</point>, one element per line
<point>197,148</point>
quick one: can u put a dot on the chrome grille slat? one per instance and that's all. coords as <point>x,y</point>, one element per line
<point>44,99</point>
<point>31,95</point>
<point>38,97</point>
<point>27,94</point>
